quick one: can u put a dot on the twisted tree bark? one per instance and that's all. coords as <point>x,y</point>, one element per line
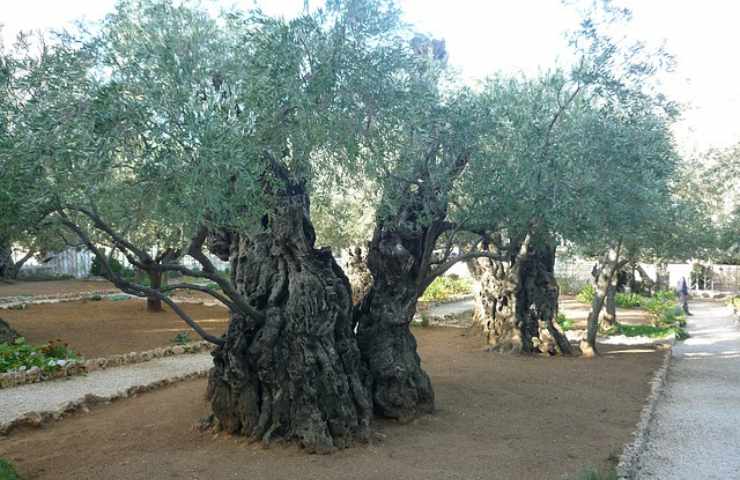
<point>603,279</point>
<point>400,388</point>
<point>517,301</point>
<point>296,375</point>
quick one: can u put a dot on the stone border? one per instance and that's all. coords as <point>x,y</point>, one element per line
<point>42,418</point>
<point>7,303</point>
<point>35,374</point>
<point>627,466</point>
<point>422,306</point>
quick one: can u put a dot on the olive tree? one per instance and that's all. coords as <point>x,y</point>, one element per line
<point>219,129</point>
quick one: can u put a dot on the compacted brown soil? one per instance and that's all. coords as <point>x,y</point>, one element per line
<point>107,327</point>
<point>498,417</point>
<point>53,287</point>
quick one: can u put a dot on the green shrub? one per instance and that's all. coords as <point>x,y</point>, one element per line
<point>97,269</point>
<point>650,331</point>
<point>442,288</point>
<point>20,355</point>
<point>32,276</point>
<point>564,322</point>
<point>629,300</point>
<point>7,471</point>
<point>182,338</point>
<point>587,294</point>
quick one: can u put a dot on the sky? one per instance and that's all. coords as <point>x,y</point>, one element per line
<point>487,36</point>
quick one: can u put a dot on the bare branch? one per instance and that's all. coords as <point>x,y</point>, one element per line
<point>442,268</point>
<point>131,288</point>
<point>199,288</point>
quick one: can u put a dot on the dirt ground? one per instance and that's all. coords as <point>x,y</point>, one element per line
<point>578,312</point>
<point>498,417</point>
<point>108,327</point>
<point>53,287</point>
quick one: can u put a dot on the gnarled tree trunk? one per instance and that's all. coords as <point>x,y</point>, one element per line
<point>609,315</point>
<point>646,283</point>
<point>9,269</point>
<point>154,304</point>
<point>7,333</point>
<point>517,301</point>
<point>605,273</point>
<point>400,388</point>
<point>6,261</point>
<point>662,276</point>
<point>296,375</point>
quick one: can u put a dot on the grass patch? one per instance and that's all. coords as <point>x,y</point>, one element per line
<point>446,287</point>
<point>629,300</point>
<point>20,355</point>
<point>7,471</point>
<point>650,331</point>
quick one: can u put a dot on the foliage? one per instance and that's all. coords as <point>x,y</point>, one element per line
<point>42,277</point>
<point>667,315</point>
<point>629,300</point>
<point>182,338</point>
<point>7,471</point>
<point>587,294</point>
<point>446,287</point>
<point>651,331</point>
<point>22,356</point>
<point>661,306</point>
<point>565,322</point>
<point>97,270</point>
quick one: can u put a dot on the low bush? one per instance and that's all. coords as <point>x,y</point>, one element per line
<point>182,338</point>
<point>7,471</point>
<point>667,317</point>
<point>651,331</point>
<point>587,294</point>
<point>32,276</point>
<point>20,355</point>
<point>564,322</point>
<point>445,287</point>
<point>629,300</point>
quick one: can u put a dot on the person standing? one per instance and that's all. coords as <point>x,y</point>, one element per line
<point>683,295</point>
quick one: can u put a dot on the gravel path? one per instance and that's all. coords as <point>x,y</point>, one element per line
<point>695,432</point>
<point>52,396</point>
<point>452,308</point>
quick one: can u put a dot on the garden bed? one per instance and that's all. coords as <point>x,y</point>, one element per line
<point>53,288</point>
<point>106,327</point>
<point>498,416</point>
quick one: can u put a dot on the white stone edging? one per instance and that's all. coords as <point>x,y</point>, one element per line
<point>627,466</point>
<point>20,301</point>
<point>35,374</point>
<point>41,418</point>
